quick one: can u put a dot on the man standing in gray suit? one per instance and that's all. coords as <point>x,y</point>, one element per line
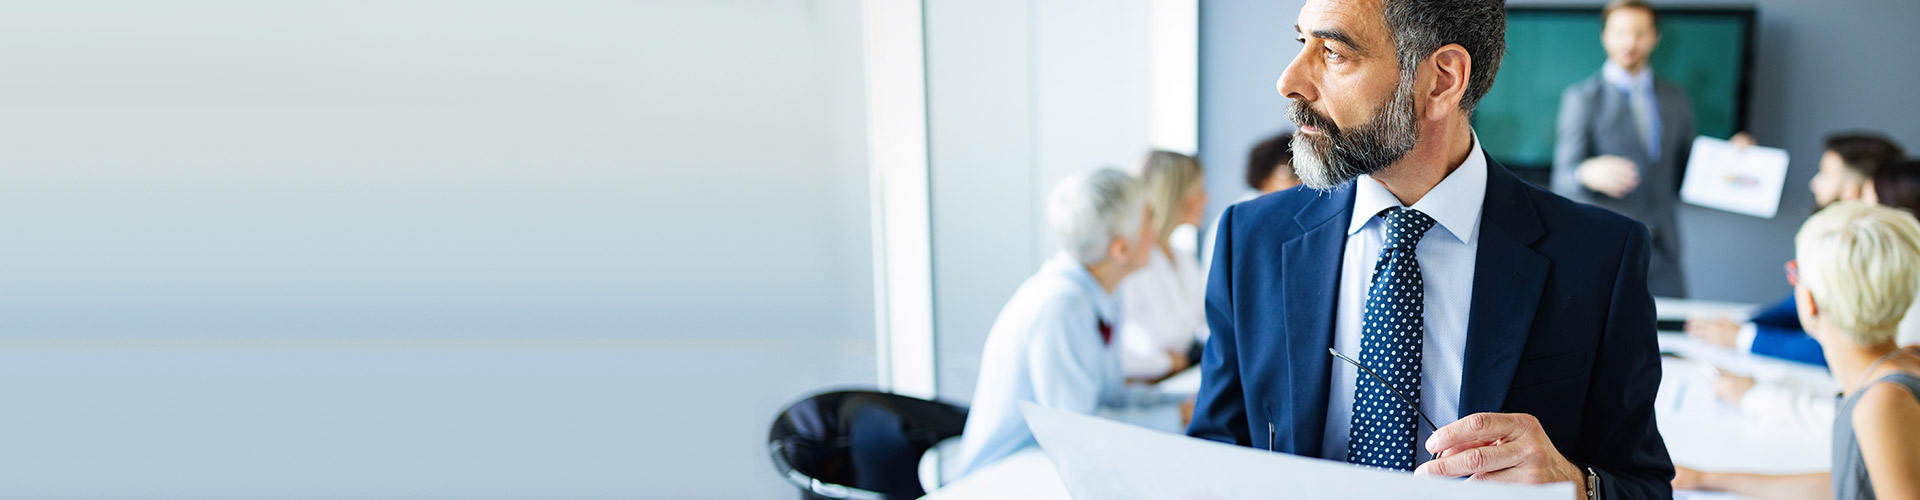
<point>1624,138</point>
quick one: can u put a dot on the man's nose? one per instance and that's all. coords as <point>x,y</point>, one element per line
<point>1295,82</point>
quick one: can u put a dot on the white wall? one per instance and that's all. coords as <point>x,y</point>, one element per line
<point>426,248</point>
<point>1021,93</point>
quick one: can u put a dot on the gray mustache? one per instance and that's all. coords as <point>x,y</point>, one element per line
<point>1305,116</point>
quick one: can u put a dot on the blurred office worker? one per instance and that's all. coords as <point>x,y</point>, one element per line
<point>1853,278</point>
<point>1896,184</point>
<point>1848,163</point>
<point>1269,170</point>
<point>1797,406</point>
<point>1270,167</point>
<point>1162,303</point>
<point>1408,237</point>
<point>1053,342</point>
<point>1624,137</point>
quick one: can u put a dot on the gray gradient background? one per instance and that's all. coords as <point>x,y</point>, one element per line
<point>425,248</point>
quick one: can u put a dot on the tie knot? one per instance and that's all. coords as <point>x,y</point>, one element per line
<point>1405,226</point>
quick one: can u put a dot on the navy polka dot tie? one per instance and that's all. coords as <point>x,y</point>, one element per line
<point>1382,428</point>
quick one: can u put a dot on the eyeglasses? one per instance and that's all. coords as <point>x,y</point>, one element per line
<point>1383,381</point>
<point>1793,272</point>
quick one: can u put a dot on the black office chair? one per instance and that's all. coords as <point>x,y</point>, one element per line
<point>861,445</point>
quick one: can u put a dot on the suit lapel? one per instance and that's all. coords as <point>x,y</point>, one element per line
<point>1311,266</point>
<point>1508,277</point>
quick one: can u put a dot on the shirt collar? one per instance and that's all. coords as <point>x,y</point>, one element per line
<point>1621,79</point>
<point>1455,203</point>
<point>1064,265</point>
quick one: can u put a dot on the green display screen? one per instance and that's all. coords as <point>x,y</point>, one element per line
<point>1705,51</point>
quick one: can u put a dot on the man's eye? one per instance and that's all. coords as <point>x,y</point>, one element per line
<point>1333,56</point>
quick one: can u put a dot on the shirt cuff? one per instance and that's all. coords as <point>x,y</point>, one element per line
<point>1744,341</point>
<point>1764,399</point>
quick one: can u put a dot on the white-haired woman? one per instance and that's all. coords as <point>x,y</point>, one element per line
<point>1164,304</point>
<point>1052,344</point>
<point>1856,274</point>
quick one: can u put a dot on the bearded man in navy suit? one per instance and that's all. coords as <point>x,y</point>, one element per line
<point>1507,333</point>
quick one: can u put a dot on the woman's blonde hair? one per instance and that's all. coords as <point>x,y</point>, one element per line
<point>1168,176</point>
<point>1861,262</point>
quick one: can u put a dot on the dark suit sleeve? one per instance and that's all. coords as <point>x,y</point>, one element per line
<point>1220,413</point>
<point>1572,145</point>
<point>1777,333</point>
<point>1619,438</point>
<point>1784,315</point>
<point>1793,345</point>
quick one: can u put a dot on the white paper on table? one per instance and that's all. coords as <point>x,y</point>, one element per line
<point>1706,433</point>
<point>1743,181</point>
<point>1103,459</point>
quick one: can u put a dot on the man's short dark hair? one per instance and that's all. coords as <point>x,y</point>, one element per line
<point>1271,156</point>
<point>1897,184</point>
<point>1607,12</point>
<point>1420,27</point>
<point>1864,152</point>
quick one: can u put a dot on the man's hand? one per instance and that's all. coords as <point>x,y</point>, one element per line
<point>1732,388</point>
<point>1717,331</point>
<point>1179,362</point>
<point>1688,479</point>
<point>1611,175</point>
<point>1742,140</point>
<point>1504,447</point>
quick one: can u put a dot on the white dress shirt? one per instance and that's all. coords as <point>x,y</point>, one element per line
<point>1046,348</point>
<point>1446,254</point>
<point>1165,309</point>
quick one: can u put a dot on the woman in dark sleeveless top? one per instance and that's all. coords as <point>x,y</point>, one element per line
<point>1858,270</point>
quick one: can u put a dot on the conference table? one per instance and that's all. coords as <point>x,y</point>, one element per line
<point>1700,430</point>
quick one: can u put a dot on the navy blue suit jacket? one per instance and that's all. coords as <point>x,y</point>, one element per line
<point>1561,327</point>
<point>1777,332</point>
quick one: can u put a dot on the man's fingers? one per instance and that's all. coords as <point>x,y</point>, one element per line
<point>1522,475</point>
<point>1474,461</point>
<point>1478,427</point>
<point>1462,447</point>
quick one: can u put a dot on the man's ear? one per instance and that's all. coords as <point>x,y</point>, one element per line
<point>1451,67</point>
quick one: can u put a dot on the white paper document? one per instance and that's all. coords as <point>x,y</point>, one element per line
<point>1743,181</point>
<point>1102,459</point>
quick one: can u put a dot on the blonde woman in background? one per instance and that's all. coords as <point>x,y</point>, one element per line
<point>1853,281</point>
<point>1163,304</point>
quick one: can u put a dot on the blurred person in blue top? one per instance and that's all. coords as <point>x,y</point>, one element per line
<point>1053,343</point>
<point>1850,161</point>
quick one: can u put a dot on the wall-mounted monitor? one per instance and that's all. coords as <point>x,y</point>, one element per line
<point>1708,51</point>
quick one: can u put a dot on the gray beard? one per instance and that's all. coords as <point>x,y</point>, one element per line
<point>1335,157</point>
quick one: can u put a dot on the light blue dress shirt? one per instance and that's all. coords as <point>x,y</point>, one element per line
<point>1046,348</point>
<point>1446,255</point>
